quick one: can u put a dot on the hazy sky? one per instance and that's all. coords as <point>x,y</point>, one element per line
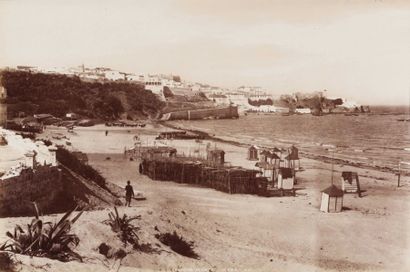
<point>356,49</point>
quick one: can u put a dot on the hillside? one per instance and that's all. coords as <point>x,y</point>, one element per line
<point>58,94</point>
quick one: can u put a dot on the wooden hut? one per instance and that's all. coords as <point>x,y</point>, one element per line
<point>253,153</point>
<point>272,159</point>
<point>159,151</point>
<point>350,182</point>
<point>216,156</point>
<point>263,155</point>
<point>332,199</point>
<point>266,169</point>
<point>268,162</point>
<point>292,158</point>
<point>285,178</point>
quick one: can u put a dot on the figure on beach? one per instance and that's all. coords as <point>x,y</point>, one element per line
<point>129,193</point>
<point>106,132</point>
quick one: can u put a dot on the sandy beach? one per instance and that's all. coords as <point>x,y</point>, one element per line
<point>238,232</point>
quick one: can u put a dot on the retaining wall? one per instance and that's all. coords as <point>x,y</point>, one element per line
<point>42,185</point>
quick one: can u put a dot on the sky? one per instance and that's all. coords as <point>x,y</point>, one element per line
<point>357,49</point>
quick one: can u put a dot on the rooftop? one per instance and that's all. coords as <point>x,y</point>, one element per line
<point>333,191</point>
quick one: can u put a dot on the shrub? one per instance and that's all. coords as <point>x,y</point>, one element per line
<point>178,244</point>
<point>7,263</point>
<point>69,160</point>
<point>45,239</point>
<point>123,227</point>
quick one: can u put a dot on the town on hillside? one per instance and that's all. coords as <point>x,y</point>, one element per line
<point>181,95</point>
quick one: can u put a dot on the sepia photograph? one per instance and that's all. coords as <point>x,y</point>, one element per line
<point>204,135</point>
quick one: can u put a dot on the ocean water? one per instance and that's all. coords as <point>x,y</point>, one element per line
<point>377,140</point>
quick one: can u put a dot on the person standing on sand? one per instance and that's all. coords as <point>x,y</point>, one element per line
<point>129,192</point>
<point>106,132</point>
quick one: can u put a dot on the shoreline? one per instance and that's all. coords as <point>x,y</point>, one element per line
<point>308,155</point>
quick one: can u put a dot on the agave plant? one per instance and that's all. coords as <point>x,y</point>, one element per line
<point>122,225</point>
<point>45,239</point>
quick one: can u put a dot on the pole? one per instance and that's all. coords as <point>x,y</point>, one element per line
<point>333,155</point>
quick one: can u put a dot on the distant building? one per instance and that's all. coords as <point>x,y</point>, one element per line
<point>154,84</point>
<point>268,108</point>
<point>238,99</point>
<point>28,173</point>
<point>113,75</point>
<point>303,110</point>
<point>22,153</point>
<point>72,116</point>
<point>27,68</point>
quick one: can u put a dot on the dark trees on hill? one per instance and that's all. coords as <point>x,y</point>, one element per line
<point>257,103</point>
<point>58,94</point>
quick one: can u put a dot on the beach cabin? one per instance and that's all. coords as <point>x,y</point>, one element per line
<point>264,156</point>
<point>216,156</point>
<point>273,159</point>
<point>253,153</point>
<point>277,151</point>
<point>292,159</point>
<point>332,199</point>
<point>285,178</point>
<point>266,169</point>
<point>350,182</point>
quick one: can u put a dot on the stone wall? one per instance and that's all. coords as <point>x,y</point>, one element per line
<point>217,113</point>
<point>42,185</point>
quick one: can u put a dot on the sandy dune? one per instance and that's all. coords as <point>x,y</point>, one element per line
<point>245,232</point>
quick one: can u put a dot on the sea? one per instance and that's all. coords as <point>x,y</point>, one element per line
<point>380,139</point>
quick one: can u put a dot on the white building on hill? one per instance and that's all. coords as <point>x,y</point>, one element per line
<point>18,153</point>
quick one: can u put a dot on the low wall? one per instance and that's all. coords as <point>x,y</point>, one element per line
<point>42,185</point>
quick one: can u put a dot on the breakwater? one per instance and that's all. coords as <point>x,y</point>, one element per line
<point>228,112</point>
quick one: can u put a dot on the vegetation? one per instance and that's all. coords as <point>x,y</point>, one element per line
<point>69,160</point>
<point>58,94</point>
<point>123,227</point>
<point>45,239</point>
<point>7,263</point>
<point>178,244</point>
<point>260,102</point>
<point>127,232</point>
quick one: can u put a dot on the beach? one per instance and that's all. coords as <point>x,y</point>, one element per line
<point>240,232</point>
